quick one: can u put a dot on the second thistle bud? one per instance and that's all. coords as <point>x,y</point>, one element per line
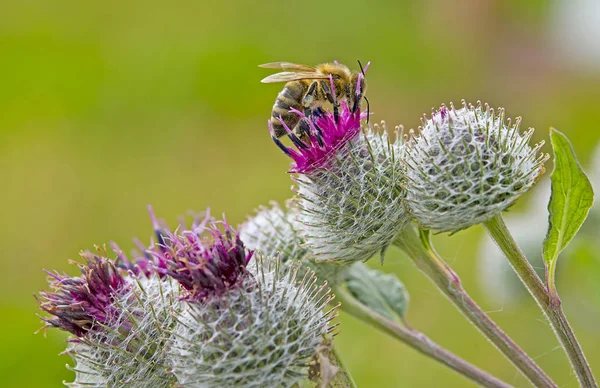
<point>468,165</point>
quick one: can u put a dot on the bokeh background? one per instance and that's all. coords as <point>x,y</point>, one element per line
<point>106,107</point>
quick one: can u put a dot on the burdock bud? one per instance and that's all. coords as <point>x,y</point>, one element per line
<point>273,231</point>
<point>131,349</point>
<point>120,323</point>
<point>350,198</point>
<point>468,165</point>
<point>261,333</point>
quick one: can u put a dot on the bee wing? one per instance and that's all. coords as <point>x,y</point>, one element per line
<point>287,66</point>
<point>288,76</point>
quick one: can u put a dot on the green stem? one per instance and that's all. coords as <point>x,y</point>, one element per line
<point>548,302</point>
<point>344,369</point>
<point>420,250</point>
<point>416,340</point>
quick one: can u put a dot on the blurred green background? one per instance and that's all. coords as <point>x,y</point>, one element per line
<point>109,106</point>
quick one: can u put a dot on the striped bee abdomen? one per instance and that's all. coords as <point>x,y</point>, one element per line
<point>289,97</point>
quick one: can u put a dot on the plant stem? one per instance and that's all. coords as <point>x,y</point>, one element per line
<point>548,302</point>
<point>420,250</point>
<point>344,370</point>
<point>415,340</point>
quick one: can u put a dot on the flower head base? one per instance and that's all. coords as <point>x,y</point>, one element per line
<point>80,304</point>
<point>323,136</point>
<point>468,165</point>
<point>204,260</point>
<point>261,334</point>
<point>352,208</point>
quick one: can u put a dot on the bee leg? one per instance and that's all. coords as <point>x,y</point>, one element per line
<point>318,112</point>
<point>309,98</point>
<point>303,131</point>
<point>336,112</point>
<point>309,131</point>
<point>332,100</point>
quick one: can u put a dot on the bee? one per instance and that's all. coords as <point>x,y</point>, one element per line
<point>307,88</point>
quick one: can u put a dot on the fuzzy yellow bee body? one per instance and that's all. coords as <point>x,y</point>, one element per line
<point>307,88</point>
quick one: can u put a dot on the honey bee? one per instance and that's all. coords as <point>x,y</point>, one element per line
<point>307,88</point>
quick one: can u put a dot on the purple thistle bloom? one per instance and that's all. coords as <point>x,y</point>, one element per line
<point>325,137</point>
<point>204,260</point>
<point>79,303</point>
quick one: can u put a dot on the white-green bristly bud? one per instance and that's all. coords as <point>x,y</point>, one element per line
<point>351,208</point>
<point>131,348</point>
<point>272,231</point>
<point>260,334</point>
<point>468,165</point>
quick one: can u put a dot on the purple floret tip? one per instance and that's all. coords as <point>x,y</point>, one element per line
<point>326,136</point>
<point>206,260</point>
<point>155,224</point>
<point>83,303</point>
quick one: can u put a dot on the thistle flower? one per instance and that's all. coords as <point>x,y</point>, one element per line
<point>468,165</point>
<point>80,304</point>
<point>261,333</point>
<point>204,260</point>
<point>349,187</point>
<point>273,232</point>
<point>119,323</point>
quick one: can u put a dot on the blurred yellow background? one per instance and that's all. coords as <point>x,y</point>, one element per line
<point>109,106</point>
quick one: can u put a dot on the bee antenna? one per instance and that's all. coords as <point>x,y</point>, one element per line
<point>368,108</point>
<point>361,67</point>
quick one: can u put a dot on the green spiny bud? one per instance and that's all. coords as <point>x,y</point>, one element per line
<point>273,232</point>
<point>468,165</point>
<point>351,208</point>
<point>260,334</point>
<point>130,349</point>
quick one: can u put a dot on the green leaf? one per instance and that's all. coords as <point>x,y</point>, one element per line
<point>571,199</point>
<point>382,293</point>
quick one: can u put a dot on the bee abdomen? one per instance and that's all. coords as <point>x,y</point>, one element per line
<point>290,119</point>
<point>288,98</point>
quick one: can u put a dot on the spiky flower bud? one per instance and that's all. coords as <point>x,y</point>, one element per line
<point>273,232</point>
<point>118,341</point>
<point>261,333</point>
<point>349,188</point>
<point>131,349</point>
<point>468,165</point>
